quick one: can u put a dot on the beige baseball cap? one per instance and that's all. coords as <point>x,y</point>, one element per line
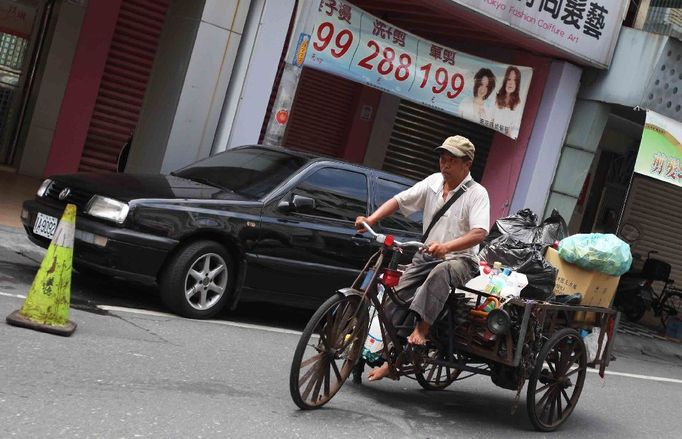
<point>458,146</point>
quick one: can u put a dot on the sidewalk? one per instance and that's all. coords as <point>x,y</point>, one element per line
<point>14,189</point>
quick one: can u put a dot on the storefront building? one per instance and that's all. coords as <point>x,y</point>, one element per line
<point>335,111</point>
<point>86,79</point>
<point>178,80</point>
<point>609,179</point>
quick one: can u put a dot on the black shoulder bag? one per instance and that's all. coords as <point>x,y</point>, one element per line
<point>445,207</point>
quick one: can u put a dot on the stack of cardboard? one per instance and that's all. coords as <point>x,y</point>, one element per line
<point>596,288</point>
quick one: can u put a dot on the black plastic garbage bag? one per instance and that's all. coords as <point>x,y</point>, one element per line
<point>552,229</point>
<point>526,258</point>
<point>521,226</point>
<point>524,227</point>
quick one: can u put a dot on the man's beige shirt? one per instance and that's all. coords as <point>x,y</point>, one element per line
<point>470,211</point>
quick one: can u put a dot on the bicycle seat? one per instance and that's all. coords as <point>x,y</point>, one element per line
<point>566,299</point>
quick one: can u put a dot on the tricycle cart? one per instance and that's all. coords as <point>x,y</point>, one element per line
<point>520,340</point>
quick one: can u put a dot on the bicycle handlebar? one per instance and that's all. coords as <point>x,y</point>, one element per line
<point>380,238</point>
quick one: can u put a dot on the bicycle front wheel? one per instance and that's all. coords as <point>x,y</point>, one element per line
<point>329,348</point>
<point>671,308</point>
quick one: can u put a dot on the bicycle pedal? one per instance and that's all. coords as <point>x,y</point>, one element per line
<point>419,349</point>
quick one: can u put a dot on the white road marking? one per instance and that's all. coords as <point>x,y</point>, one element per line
<point>640,377</point>
<point>164,314</point>
<point>217,322</point>
<point>16,296</point>
<point>289,331</point>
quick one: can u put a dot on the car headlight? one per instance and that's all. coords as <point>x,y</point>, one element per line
<point>43,187</point>
<point>107,208</point>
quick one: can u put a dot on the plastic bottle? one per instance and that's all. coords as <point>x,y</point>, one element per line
<point>373,342</point>
<point>498,281</point>
<point>497,267</point>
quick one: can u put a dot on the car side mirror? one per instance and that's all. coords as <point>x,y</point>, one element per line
<point>298,203</point>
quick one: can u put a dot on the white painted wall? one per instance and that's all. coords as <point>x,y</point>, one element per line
<point>208,75</point>
<point>549,131</point>
<point>186,93</point>
<point>255,70</point>
<point>627,78</point>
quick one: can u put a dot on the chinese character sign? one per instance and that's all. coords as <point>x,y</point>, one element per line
<point>660,152</point>
<point>587,29</point>
<point>16,19</point>
<point>339,38</point>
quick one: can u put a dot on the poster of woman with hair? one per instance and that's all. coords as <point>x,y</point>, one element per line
<point>506,115</point>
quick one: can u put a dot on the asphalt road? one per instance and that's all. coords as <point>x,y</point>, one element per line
<point>125,374</point>
<point>134,372</point>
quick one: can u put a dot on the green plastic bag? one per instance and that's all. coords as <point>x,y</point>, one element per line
<point>605,253</point>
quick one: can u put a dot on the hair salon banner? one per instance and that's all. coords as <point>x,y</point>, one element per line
<point>586,29</point>
<point>336,37</point>
<point>660,152</point>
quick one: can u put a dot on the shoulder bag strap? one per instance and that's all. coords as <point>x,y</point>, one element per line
<point>445,207</point>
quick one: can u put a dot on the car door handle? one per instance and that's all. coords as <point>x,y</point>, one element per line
<point>361,240</point>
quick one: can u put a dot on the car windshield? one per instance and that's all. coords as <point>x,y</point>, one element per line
<point>252,172</point>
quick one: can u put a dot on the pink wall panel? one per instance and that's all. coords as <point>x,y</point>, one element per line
<point>81,90</point>
<point>506,155</point>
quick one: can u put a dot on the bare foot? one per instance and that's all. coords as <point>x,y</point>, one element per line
<point>378,372</point>
<point>418,336</point>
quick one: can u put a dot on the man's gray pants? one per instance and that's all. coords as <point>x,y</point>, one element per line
<point>430,281</point>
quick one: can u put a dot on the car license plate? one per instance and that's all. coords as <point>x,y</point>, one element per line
<point>45,225</point>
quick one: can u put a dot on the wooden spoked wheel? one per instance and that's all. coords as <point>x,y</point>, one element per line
<point>329,348</point>
<point>555,385</point>
<point>436,376</point>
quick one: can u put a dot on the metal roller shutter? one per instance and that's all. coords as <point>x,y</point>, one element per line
<point>126,74</point>
<point>321,113</point>
<point>652,207</point>
<point>418,129</point>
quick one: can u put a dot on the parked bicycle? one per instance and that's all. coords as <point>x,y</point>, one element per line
<point>635,293</point>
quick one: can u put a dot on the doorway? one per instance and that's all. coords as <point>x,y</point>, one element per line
<point>22,26</point>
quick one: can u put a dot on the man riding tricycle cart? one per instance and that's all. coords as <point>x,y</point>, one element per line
<point>467,331</point>
<point>519,340</point>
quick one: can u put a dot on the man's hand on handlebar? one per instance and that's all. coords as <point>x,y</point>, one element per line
<point>359,226</point>
<point>436,250</point>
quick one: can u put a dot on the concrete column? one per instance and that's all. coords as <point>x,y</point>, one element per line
<point>50,89</point>
<point>255,69</point>
<point>191,73</point>
<point>547,138</point>
<point>381,130</point>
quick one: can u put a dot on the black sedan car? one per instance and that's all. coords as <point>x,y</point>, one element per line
<point>269,222</point>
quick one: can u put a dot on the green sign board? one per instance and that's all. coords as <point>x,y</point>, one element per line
<point>660,152</point>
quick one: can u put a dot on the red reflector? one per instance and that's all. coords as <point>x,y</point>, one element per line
<point>391,277</point>
<point>388,242</point>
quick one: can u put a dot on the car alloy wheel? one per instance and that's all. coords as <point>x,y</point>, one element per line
<point>197,280</point>
<point>206,281</point>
